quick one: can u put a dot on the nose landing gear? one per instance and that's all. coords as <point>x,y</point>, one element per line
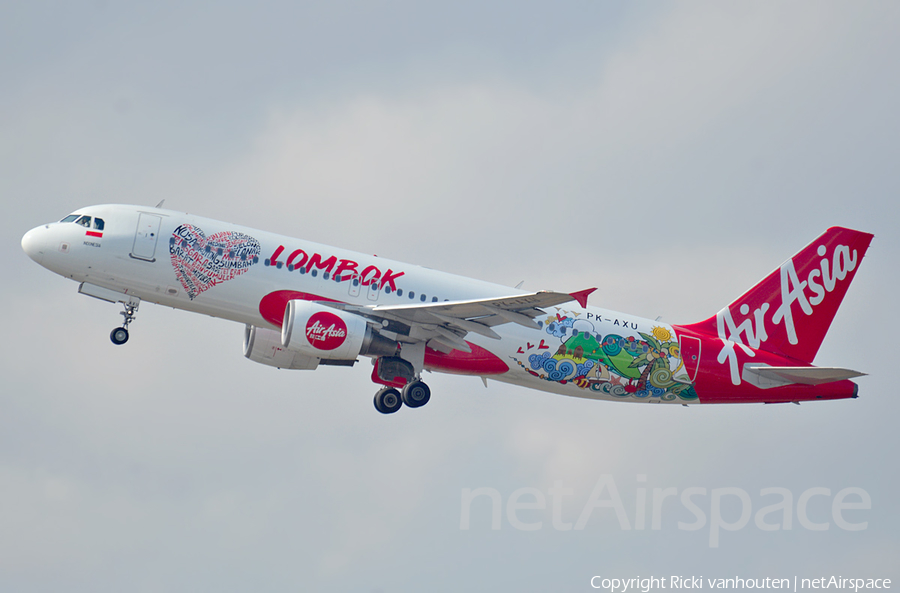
<point>119,335</point>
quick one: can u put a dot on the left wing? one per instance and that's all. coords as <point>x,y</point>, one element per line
<point>443,326</point>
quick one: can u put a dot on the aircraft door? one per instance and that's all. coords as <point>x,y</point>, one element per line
<point>354,285</point>
<point>146,237</point>
<point>374,290</point>
<point>690,355</point>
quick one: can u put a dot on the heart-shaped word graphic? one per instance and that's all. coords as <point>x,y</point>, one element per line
<point>201,262</point>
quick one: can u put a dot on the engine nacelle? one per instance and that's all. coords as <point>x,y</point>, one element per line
<point>264,346</point>
<point>323,332</point>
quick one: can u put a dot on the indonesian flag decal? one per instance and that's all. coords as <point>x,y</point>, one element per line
<point>97,234</point>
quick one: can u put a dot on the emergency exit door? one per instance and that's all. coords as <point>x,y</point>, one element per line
<point>146,237</point>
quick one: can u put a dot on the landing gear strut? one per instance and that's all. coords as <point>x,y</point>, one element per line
<point>120,334</point>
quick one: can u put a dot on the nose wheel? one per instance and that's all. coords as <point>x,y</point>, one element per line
<point>119,335</point>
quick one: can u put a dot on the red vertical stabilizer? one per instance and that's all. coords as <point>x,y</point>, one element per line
<point>790,310</point>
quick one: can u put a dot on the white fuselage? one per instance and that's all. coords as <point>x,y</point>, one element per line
<point>138,254</point>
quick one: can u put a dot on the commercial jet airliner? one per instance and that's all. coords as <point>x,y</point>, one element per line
<point>306,304</point>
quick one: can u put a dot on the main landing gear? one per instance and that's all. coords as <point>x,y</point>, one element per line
<point>387,400</point>
<point>120,334</point>
<point>393,370</point>
<point>414,394</point>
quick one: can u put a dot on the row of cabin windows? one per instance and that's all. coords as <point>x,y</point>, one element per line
<point>327,275</point>
<point>84,221</point>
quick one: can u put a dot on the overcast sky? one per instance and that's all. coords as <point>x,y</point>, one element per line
<point>669,154</point>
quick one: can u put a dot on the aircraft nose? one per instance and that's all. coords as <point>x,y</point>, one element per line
<point>32,243</point>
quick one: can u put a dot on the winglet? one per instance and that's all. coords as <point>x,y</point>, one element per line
<point>582,295</point>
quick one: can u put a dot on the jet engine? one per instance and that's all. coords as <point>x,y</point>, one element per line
<point>264,346</point>
<point>323,332</point>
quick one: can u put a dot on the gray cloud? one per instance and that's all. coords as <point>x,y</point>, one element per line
<point>670,155</point>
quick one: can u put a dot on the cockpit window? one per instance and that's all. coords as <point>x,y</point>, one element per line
<point>84,221</point>
<point>69,218</point>
<point>98,224</point>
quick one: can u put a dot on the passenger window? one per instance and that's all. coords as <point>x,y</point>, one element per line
<point>84,221</point>
<point>98,224</point>
<point>412,295</point>
<point>69,218</point>
<point>422,298</point>
<point>434,299</point>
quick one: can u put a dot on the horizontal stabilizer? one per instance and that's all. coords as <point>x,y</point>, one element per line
<point>800,375</point>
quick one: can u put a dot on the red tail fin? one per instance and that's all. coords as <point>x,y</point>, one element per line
<point>789,312</point>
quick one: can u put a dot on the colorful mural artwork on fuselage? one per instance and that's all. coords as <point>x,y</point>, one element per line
<point>623,363</point>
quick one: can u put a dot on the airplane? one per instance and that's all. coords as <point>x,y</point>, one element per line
<point>305,304</point>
